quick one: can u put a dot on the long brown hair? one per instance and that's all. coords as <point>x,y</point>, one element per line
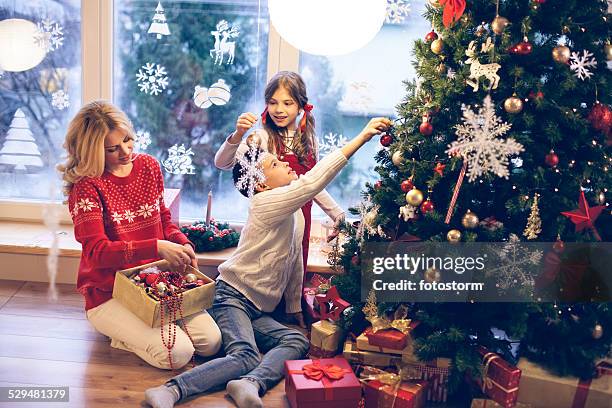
<point>303,142</point>
<point>85,141</point>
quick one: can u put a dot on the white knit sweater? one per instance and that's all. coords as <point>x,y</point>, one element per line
<point>225,158</point>
<point>268,261</point>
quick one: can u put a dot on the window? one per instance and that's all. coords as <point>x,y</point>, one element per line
<point>184,71</point>
<point>40,91</point>
<point>348,90</point>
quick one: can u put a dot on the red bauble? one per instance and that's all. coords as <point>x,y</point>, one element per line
<point>426,129</point>
<point>407,185</point>
<point>514,49</point>
<point>540,1</point>
<point>431,36</point>
<point>600,118</point>
<point>427,206</point>
<point>355,260</point>
<point>378,184</point>
<point>552,159</point>
<point>152,278</point>
<point>386,140</point>
<point>524,47</point>
<point>538,96</point>
<point>142,276</point>
<point>559,246</point>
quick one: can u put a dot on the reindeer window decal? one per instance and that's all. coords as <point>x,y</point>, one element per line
<point>223,34</point>
<point>477,70</point>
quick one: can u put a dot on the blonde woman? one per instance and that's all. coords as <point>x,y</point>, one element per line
<point>116,201</point>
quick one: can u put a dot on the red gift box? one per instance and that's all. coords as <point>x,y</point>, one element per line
<point>312,315</point>
<point>324,383</point>
<point>436,373</point>
<point>390,338</point>
<point>409,394</point>
<point>500,380</point>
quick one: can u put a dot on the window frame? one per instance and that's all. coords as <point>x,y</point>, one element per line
<point>97,32</point>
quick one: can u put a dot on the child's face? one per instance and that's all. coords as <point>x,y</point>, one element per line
<point>118,146</point>
<point>277,173</point>
<point>283,109</point>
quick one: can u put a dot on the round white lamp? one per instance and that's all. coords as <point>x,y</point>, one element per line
<point>327,27</point>
<point>18,50</point>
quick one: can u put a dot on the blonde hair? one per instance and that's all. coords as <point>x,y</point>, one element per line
<point>85,141</point>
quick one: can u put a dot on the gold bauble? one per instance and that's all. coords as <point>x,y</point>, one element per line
<point>608,51</point>
<point>190,277</point>
<point>441,69</point>
<point>397,158</point>
<point>453,235</point>
<point>369,218</point>
<point>499,24</point>
<point>513,104</point>
<point>561,54</point>
<point>432,275</point>
<point>597,331</point>
<point>414,197</point>
<point>437,46</point>
<point>481,30</point>
<point>161,288</point>
<point>469,220</point>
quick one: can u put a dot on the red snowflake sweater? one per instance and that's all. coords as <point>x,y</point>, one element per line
<point>118,221</point>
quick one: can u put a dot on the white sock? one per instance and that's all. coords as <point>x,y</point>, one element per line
<point>164,396</point>
<point>245,393</point>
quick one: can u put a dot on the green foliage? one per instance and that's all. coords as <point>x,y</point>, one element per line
<point>214,238</point>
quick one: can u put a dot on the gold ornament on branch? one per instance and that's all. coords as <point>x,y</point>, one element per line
<point>437,46</point>
<point>499,24</point>
<point>561,54</point>
<point>397,158</point>
<point>597,331</point>
<point>414,197</point>
<point>608,51</point>
<point>470,220</point>
<point>453,235</point>
<point>513,104</point>
<point>534,223</point>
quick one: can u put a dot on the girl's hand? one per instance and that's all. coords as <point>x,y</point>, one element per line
<point>244,123</point>
<point>374,127</point>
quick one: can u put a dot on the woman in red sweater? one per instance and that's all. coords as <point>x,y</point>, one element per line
<point>116,201</point>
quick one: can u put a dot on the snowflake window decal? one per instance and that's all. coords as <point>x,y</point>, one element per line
<point>397,11</point>
<point>580,64</point>
<point>152,79</point>
<point>331,142</point>
<point>49,35</point>
<point>142,140</point>
<point>251,171</point>
<point>478,143</point>
<point>60,100</point>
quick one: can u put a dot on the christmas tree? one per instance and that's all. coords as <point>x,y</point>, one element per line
<point>504,136</point>
<point>19,151</point>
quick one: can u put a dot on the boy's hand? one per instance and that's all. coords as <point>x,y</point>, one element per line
<point>244,123</point>
<point>298,318</point>
<point>374,127</point>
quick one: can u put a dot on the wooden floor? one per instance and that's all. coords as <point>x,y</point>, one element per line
<point>46,342</point>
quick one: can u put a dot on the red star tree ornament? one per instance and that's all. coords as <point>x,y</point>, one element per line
<point>440,169</point>
<point>585,216</point>
<point>331,305</point>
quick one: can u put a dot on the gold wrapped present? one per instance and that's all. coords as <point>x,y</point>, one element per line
<point>325,338</point>
<point>356,356</point>
<point>488,403</point>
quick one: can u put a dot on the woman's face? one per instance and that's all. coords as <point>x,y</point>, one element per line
<point>118,147</point>
<point>283,109</point>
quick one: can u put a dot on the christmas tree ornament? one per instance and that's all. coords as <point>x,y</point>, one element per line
<point>513,104</point>
<point>355,260</point>
<point>223,46</point>
<point>397,158</point>
<point>453,235</point>
<point>158,25</point>
<point>551,158</point>
<point>151,278</point>
<point>584,217</point>
<point>499,24</point>
<point>537,96</point>
<point>386,140</point>
<point>470,220</point>
<point>426,128</point>
<point>534,222</point>
<point>251,173</point>
<point>437,46</point>
<point>433,3</point>
<point>407,212</point>
<point>431,36</point>
<point>608,50</point>
<point>407,185</point>
<point>427,206</point>
<point>601,197</point>
<point>414,197</point>
<point>378,185</point>
<point>440,169</point>
<point>524,47</point>
<point>432,275</point>
<point>441,68</point>
<point>559,245</point>
<point>580,64</point>
<point>561,54</point>
<point>190,278</point>
<point>597,332</point>
<point>478,70</point>
<point>481,30</point>
<point>161,288</point>
<point>600,118</point>
<point>453,10</point>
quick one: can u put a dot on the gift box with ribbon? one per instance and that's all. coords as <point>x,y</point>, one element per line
<point>436,373</point>
<point>489,403</point>
<point>500,380</point>
<point>318,285</point>
<point>324,383</point>
<point>543,389</point>
<point>386,341</point>
<point>390,390</point>
<point>356,356</point>
<point>325,338</point>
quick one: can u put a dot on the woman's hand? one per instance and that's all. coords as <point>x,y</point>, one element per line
<point>191,253</point>
<point>177,255</point>
<point>374,127</point>
<point>244,123</point>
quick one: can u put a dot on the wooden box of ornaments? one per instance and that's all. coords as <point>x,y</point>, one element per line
<point>149,289</point>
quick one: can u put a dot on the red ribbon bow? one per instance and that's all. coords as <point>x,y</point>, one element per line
<point>453,10</point>
<point>316,371</point>
<point>308,107</point>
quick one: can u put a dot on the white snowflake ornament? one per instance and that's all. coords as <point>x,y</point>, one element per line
<point>142,140</point>
<point>407,212</point>
<point>179,160</point>
<point>478,143</point>
<point>60,100</point>
<point>515,266</point>
<point>152,78</point>
<point>397,11</point>
<point>251,172</point>
<point>580,64</point>
<point>49,35</point>
<point>331,142</point>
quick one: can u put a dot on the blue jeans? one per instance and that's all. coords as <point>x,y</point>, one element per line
<point>245,331</point>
